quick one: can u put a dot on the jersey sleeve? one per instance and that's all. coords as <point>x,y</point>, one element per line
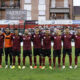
<point>62,37</point>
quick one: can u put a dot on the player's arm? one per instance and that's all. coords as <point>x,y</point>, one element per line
<point>51,37</point>
<point>62,37</point>
<point>12,34</point>
<point>21,38</point>
<point>73,36</point>
<point>32,37</point>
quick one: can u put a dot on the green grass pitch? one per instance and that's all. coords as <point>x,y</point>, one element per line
<point>38,74</point>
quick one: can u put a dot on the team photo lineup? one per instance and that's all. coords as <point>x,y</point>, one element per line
<point>42,40</point>
<point>39,39</point>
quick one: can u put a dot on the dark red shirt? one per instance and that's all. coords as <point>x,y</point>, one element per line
<point>37,41</point>
<point>16,40</point>
<point>77,41</point>
<point>47,42</point>
<point>57,42</point>
<point>67,41</point>
<point>26,42</point>
<point>1,41</point>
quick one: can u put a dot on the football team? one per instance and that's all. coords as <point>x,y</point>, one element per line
<point>10,44</point>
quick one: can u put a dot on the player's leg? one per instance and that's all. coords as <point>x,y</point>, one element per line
<point>40,58</point>
<point>29,53</point>
<point>43,59</point>
<point>59,58</point>
<point>63,59</point>
<point>70,61</point>
<point>24,57</point>
<point>69,52</point>
<point>14,61</point>
<point>76,57</point>
<point>54,62</point>
<point>35,64</point>
<point>59,61</point>
<point>19,59</point>
<point>1,51</point>
<point>10,60</point>
<point>30,60</point>
<point>10,56</point>
<point>24,62</point>
<point>76,61</point>
<point>6,57</point>
<point>54,58</point>
<point>0,61</point>
<point>49,57</point>
<point>40,61</point>
<point>50,63</point>
<point>35,59</point>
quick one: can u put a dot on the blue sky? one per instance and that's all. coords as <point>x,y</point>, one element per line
<point>76,2</point>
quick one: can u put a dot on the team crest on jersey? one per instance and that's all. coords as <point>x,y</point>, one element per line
<point>24,38</point>
<point>34,36</point>
<point>39,35</point>
<point>54,37</point>
<point>70,36</point>
<point>13,37</point>
<point>76,36</point>
<point>44,37</point>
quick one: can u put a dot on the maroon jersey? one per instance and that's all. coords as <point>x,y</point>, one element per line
<point>37,41</point>
<point>1,41</point>
<point>57,42</point>
<point>77,41</point>
<point>26,42</point>
<point>16,40</point>
<point>47,42</point>
<point>67,41</point>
